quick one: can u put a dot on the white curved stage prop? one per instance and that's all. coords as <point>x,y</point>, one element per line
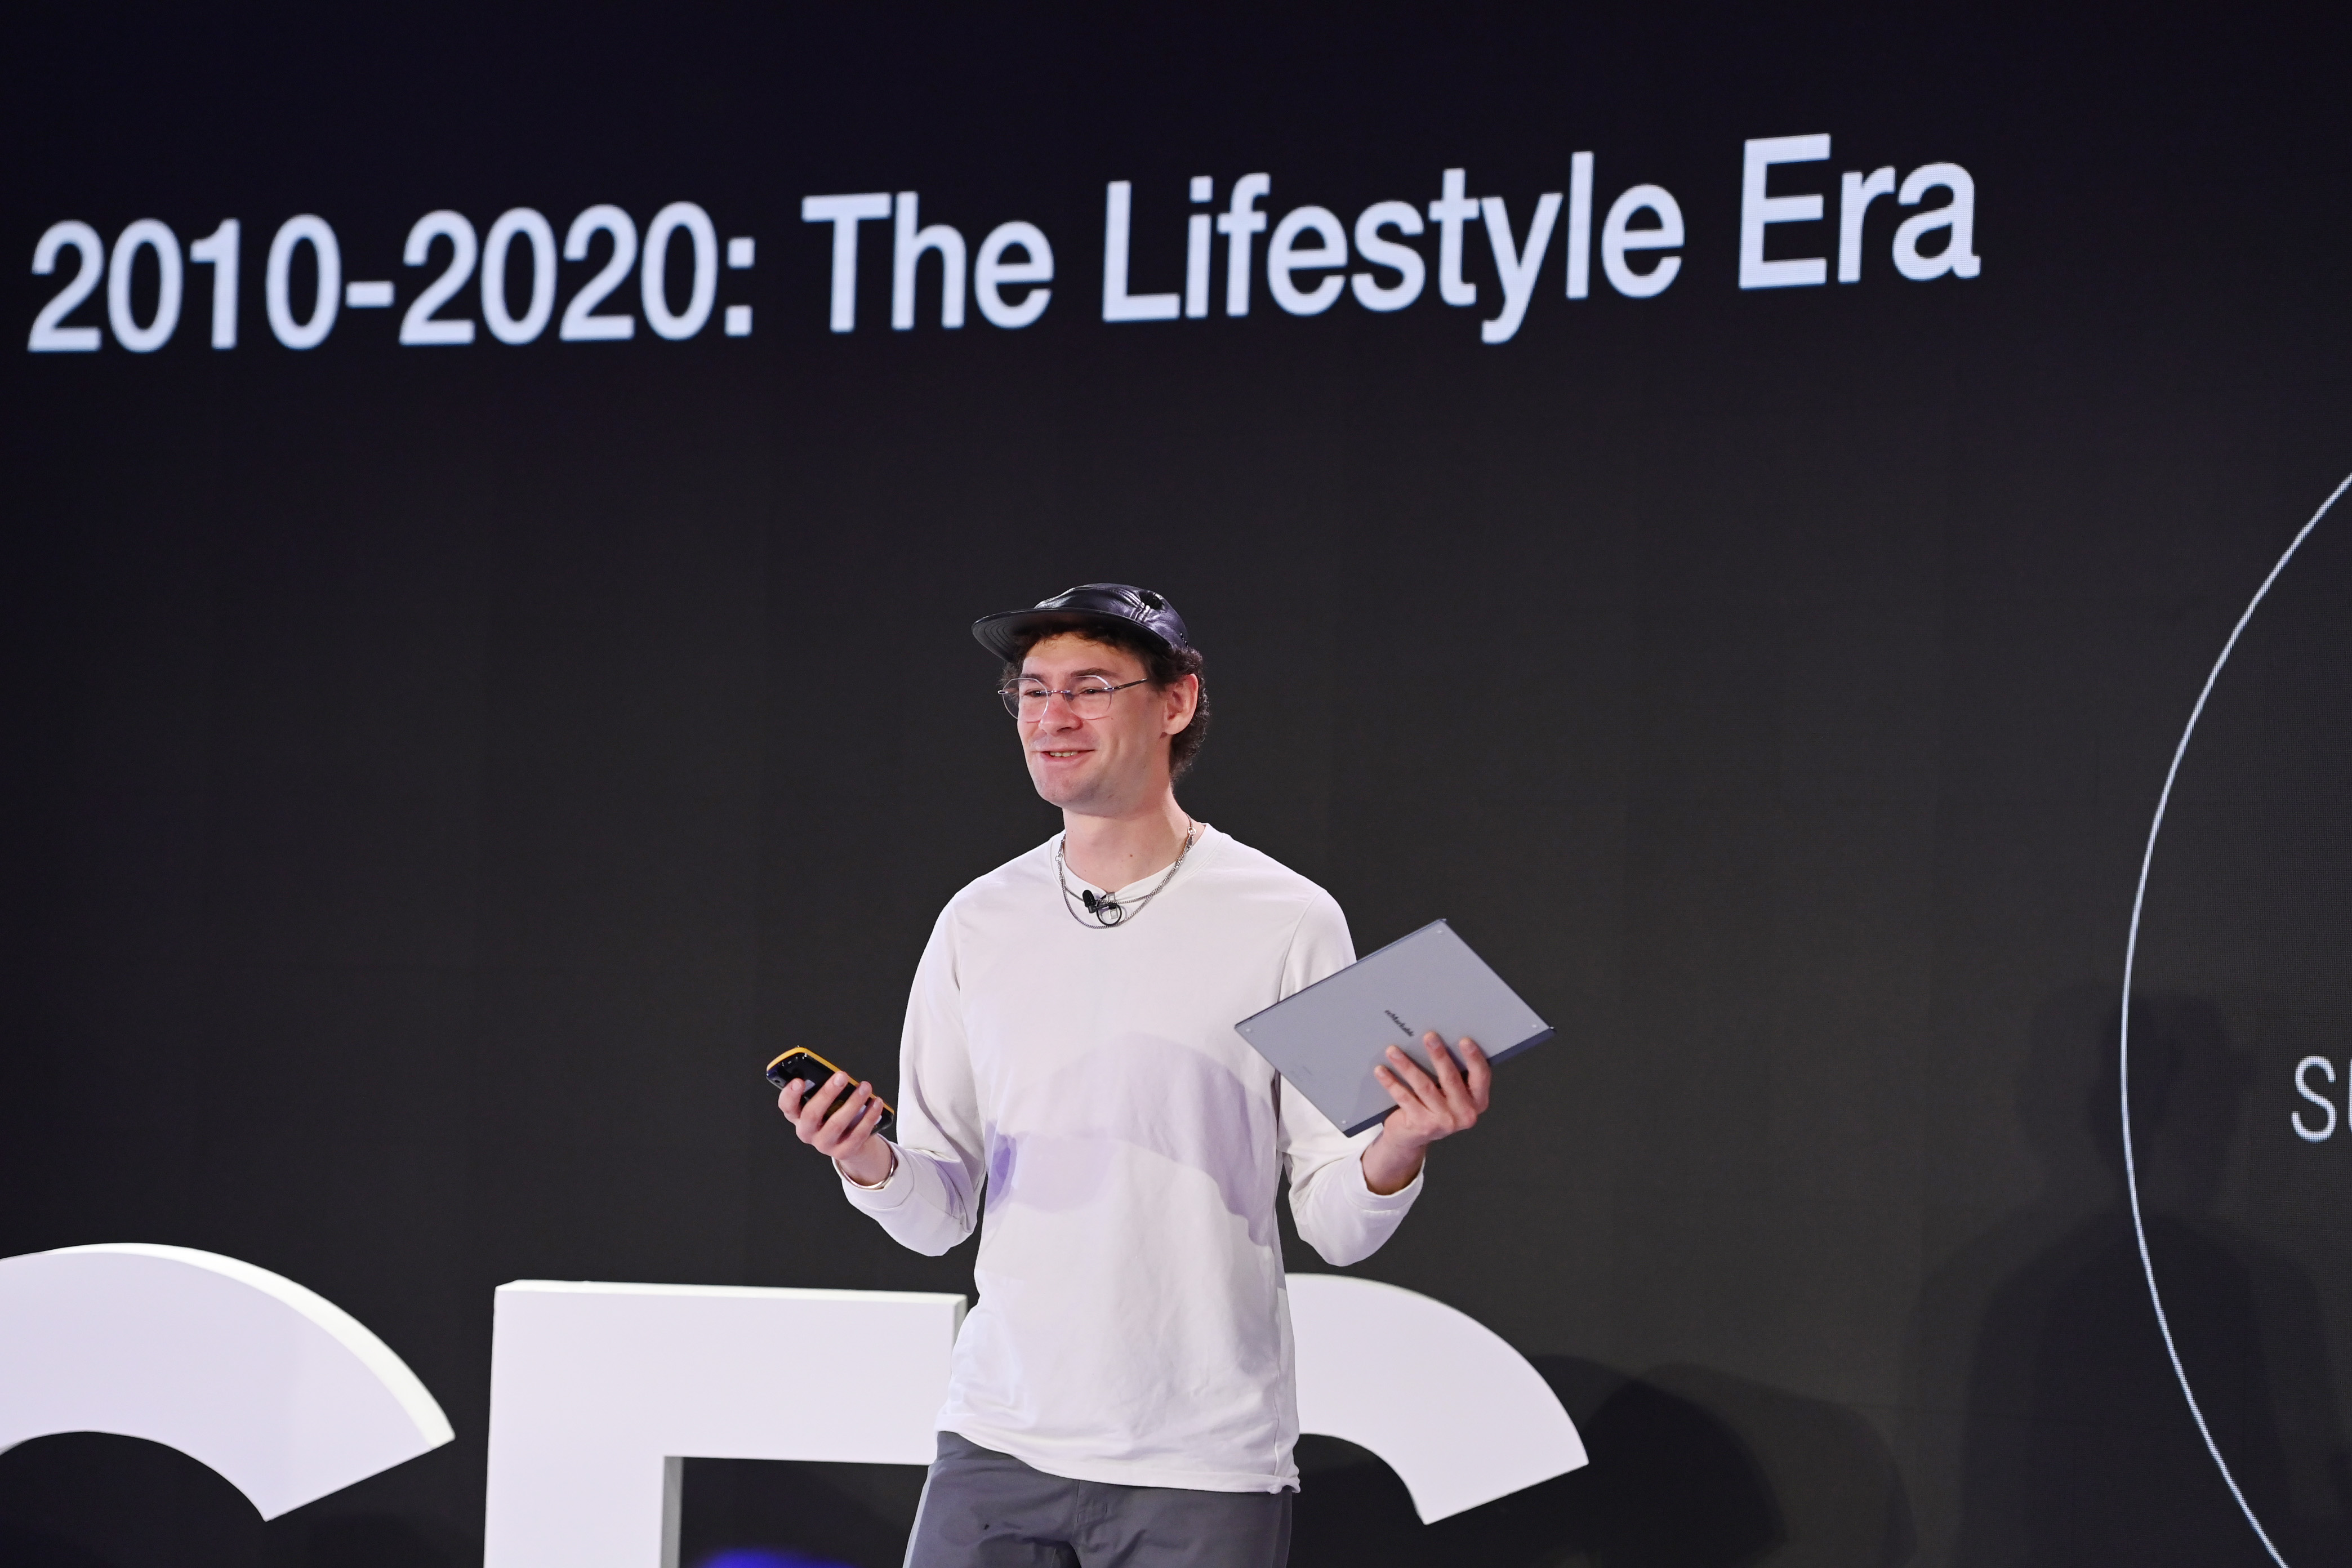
<point>273,1386</point>
<point>599,1392</point>
<point>1473,1423</point>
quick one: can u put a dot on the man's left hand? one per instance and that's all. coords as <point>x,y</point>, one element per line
<point>1429,1107</point>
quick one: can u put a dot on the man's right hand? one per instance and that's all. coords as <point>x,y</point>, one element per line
<point>841,1126</point>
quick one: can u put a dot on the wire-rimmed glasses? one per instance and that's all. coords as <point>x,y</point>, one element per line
<point>1088,697</point>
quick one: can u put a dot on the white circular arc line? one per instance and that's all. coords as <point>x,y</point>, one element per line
<point>2131,954</point>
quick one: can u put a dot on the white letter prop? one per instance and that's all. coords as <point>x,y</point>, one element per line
<point>598,1392</point>
<point>1473,1422</point>
<point>284,1394</point>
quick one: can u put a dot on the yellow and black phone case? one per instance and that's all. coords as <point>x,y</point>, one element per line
<point>813,1070</point>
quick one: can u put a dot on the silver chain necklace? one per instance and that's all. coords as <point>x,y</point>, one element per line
<point>1106,911</point>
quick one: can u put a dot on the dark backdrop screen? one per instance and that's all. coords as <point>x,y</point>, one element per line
<point>439,772</point>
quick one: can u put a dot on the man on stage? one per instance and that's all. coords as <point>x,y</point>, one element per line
<point>1122,1396</point>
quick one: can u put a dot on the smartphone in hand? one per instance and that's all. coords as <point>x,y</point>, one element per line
<point>813,1070</point>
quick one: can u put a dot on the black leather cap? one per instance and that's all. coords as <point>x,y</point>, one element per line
<point>1075,609</point>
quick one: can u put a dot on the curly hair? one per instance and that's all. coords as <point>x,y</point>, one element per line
<point>1160,666</point>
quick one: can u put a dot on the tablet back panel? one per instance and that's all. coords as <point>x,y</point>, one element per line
<point>1327,1039</point>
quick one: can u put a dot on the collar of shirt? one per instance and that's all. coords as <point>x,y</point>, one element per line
<point>1143,884</point>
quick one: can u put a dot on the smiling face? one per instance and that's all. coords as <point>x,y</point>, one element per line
<point>1109,766</point>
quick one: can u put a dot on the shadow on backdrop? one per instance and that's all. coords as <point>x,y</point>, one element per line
<point>360,1540</point>
<point>756,1513</point>
<point>91,1499</point>
<point>2075,1445</point>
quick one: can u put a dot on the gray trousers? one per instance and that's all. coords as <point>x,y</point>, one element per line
<point>982,1508</point>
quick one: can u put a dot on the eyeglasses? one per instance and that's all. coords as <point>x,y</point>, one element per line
<point>1088,698</point>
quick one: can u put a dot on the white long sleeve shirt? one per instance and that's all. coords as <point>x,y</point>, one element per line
<point>1132,1325</point>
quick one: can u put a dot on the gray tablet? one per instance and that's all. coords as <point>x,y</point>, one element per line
<point>1327,1039</point>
